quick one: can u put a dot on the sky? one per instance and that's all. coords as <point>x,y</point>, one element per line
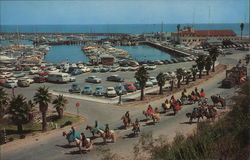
<point>16,12</point>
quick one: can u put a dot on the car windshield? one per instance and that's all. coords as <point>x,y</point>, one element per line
<point>110,89</point>
<point>87,87</point>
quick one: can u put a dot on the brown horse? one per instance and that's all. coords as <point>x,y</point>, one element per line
<point>136,129</point>
<point>154,116</point>
<point>110,136</point>
<point>211,113</point>
<point>218,99</point>
<point>200,113</point>
<point>126,121</point>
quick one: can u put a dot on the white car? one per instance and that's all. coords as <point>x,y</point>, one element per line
<point>12,79</point>
<point>110,92</point>
<point>153,80</point>
<point>151,67</point>
<point>72,79</point>
<point>53,69</point>
<point>149,84</point>
<point>30,80</point>
<point>34,70</point>
<point>6,74</point>
<point>85,69</point>
<point>10,84</point>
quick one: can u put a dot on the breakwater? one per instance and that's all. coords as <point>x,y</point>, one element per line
<point>169,50</point>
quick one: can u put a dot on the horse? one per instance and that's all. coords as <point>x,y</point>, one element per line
<point>126,121</point>
<point>198,114</point>
<point>211,113</point>
<point>193,99</point>
<point>218,99</point>
<point>165,107</point>
<point>154,116</point>
<point>111,135</point>
<point>71,136</point>
<point>136,129</point>
<point>93,130</point>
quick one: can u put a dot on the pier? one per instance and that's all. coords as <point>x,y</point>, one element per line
<point>169,50</point>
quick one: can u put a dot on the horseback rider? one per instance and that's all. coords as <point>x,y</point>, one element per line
<point>166,105</point>
<point>107,131</point>
<point>86,142</point>
<point>156,110</point>
<point>128,116</point>
<point>202,94</point>
<point>196,92</point>
<point>136,125</point>
<point>184,93</point>
<point>150,110</point>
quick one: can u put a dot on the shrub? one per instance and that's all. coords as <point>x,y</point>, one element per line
<point>11,139</point>
<point>22,136</point>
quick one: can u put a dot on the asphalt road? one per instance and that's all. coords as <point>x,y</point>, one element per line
<point>52,147</point>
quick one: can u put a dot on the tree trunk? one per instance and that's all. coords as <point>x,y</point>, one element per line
<point>142,93</point>
<point>20,128</point>
<point>207,72</point>
<point>179,83</point>
<point>194,77</point>
<point>161,91</point>
<point>241,34</point>
<point>172,85</point>
<point>187,80</point>
<point>60,113</point>
<point>44,122</point>
<point>200,74</point>
<point>213,66</point>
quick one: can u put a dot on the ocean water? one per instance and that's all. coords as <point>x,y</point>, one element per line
<point>116,28</point>
<point>143,52</point>
<point>63,53</point>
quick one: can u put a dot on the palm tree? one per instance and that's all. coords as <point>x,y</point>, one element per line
<point>3,102</point>
<point>20,111</point>
<point>214,53</point>
<point>142,76</point>
<point>161,79</point>
<point>179,76</point>
<point>43,97</point>
<point>208,64</point>
<point>241,29</point>
<point>194,71</point>
<point>188,76</point>
<point>200,64</point>
<point>60,103</point>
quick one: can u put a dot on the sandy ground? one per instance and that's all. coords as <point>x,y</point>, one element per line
<point>52,145</point>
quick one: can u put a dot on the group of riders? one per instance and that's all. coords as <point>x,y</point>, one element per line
<point>175,104</point>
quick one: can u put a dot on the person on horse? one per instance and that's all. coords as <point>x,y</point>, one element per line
<point>196,92</point>
<point>86,143</point>
<point>137,124</point>
<point>128,116</point>
<point>202,93</point>
<point>156,110</point>
<point>150,110</point>
<point>107,131</point>
<point>184,93</point>
<point>167,104</point>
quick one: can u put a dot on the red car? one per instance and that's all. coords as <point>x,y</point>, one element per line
<point>39,79</point>
<point>130,87</point>
<point>2,80</point>
<point>43,73</point>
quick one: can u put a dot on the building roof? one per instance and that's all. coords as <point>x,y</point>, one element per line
<point>203,33</point>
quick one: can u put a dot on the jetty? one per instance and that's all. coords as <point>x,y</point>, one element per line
<point>172,51</point>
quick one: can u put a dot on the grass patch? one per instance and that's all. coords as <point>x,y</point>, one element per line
<point>33,128</point>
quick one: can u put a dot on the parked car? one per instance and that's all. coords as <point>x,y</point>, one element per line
<point>120,90</point>
<point>72,79</point>
<point>85,69</point>
<point>134,68</point>
<point>39,79</point>
<point>10,84</point>
<point>130,87</point>
<point>76,71</point>
<point>115,78</point>
<point>26,68</point>
<point>23,83</point>
<point>93,79</point>
<point>96,69</point>
<point>87,90</point>
<point>43,73</point>
<point>158,62</point>
<point>99,91</point>
<point>110,92</point>
<point>18,74</point>
<point>12,79</point>
<point>34,70</point>
<point>153,80</point>
<point>114,69</point>
<point>2,80</point>
<point>124,69</point>
<point>75,88</point>
<point>104,69</point>
<point>28,79</point>
<point>149,84</point>
<point>137,85</point>
<point>6,74</point>
<point>151,67</point>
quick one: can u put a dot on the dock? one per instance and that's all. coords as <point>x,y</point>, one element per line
<point>167,49</point>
